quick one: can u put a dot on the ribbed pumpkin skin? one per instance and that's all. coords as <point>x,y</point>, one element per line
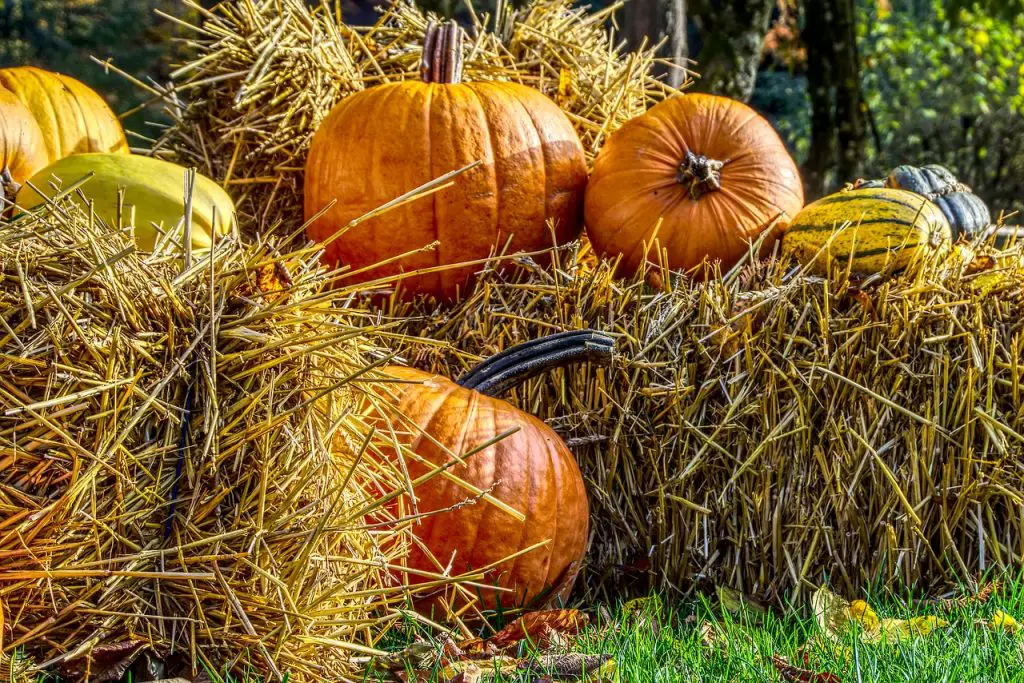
<point>22,148</point>
<point>634,184</point>
<point>534,460</point>
<point>888,230</point>
<point>967,214</point>
<point>72,117</point>
<point>380,143</point>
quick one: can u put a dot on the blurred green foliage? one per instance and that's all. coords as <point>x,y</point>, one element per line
<point>61,35</point>
<point>949,90</point>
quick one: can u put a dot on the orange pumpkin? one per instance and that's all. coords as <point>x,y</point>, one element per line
<point>704,174</point>
<point>530,470</point>
<point>22,149</point>
<point>72,117</point>
<point>383,142</point>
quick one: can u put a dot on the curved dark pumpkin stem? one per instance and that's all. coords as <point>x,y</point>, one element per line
<point>515,365</point>
<point>699,174</point>
<point>442,53</point>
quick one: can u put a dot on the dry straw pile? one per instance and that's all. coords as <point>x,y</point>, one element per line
<point>182,461</point>
<point>772,430</point>
<point>267,72</point>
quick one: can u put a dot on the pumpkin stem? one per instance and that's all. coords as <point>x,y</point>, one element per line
<point>442,53</point>
<point>699,174</point>
<point>8,189</point>
<point>515,365</point>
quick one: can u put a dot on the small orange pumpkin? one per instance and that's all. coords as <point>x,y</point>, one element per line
<point>529,470</point>
<point>22,148</point>
<point>72,117</point>
<point>705,174</point>
<point>383,142</point>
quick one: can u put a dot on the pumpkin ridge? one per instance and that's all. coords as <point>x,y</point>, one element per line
<point>458,450</point>
<point>488,484</point>
<point>55,134</point>
<point>548,210</point>
<point>376,172</point>
<point>524,533</point>
<point>435,229</point>
<point>554,467</point>
<point>496,235</point>
<point>77,106</point>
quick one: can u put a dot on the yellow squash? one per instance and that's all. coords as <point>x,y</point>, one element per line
<point>154,194</point>
<point>871,230</point>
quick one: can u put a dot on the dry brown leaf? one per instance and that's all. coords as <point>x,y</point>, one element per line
<point>788,672</point>
<point>103,663</point>
<point>984,594</point>
<point>535,627</point>
<point>734,601</point>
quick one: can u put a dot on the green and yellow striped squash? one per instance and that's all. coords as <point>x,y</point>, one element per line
<point>884,230</point>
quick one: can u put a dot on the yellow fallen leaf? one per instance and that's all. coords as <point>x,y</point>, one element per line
<point>895,630</point>
<point>837,618</point>
<point>1001,621</point>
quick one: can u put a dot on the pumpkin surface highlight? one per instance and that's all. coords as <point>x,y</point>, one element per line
<point>383,142</point>
<point>875,230</point>
<point>705,174</point>
<point>73,118</point>
<point>530,470</point>
<point>154,193</point>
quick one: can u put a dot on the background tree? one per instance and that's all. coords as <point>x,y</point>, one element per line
<point>838,113</point>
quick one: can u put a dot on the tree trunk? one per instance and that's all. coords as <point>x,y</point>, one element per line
<point>838,114</point>
<point>732,35</point>
<point>653,21</point>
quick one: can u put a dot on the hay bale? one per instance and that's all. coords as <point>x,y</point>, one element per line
<point>181,460</point>
<point>267,73</point>
<point>772,429</point>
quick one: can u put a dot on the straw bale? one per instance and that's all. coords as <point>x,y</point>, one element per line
<point>181,458</point>
<point>267,72</point>
<point>772,429</point>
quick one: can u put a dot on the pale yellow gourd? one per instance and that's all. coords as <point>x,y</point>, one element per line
<point>154,196</point>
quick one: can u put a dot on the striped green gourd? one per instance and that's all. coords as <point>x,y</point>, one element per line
<point>871,230</point>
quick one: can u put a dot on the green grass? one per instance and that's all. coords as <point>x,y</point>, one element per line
<point>673,650</point>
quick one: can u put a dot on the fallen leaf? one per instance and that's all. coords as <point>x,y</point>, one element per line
<point>489,669</point>
<point>984,594</point>
<point>595,668</point>
<point>272,279</point>
<point>712,639</point>
<point>788,672</point>
<point>838,618</point>
<point>470,674</point>
<point>1001,621</point>
<point>103,663</point>
<point>536,627</point>
<point>734,601</point>
<point>417,656</point>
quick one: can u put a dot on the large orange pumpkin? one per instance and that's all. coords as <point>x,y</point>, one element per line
<point>72,117</point>
<point>22,149</point>
<point>530,471</point>
<point>385,141</point>
<point>706,175</point>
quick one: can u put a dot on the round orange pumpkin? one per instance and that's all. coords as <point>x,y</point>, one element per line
<point>22,149</point>
<point>702,175</point>
<point>383,142</point>
<point>530,470</point>
<point>72,117</point>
